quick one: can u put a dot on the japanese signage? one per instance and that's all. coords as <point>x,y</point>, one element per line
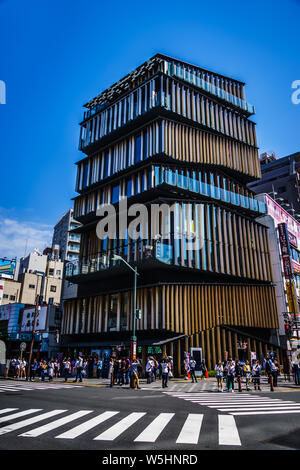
<point>285,251</point>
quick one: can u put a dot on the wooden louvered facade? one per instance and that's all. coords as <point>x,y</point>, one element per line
<point>174,134</point>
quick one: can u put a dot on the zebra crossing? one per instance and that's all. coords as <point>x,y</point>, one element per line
<point>23,386</point>
<point>110,426</point>
<point>237,404</point>
<point>183,386</point>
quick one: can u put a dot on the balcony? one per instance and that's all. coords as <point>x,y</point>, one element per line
<point>134,253</point>
<point>206,86</point>
<point>211,191</point>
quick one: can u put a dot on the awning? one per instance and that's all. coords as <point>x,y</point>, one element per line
<point>169,340</point>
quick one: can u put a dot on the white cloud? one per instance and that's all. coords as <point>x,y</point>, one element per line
<point>16,236</point>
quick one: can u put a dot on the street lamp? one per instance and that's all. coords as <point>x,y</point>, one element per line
<point>133,338</point>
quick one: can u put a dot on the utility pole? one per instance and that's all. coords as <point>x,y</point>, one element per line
<point>37,301</point>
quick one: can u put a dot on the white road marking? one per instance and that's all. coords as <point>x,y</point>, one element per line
<point>151,433</point>
<point>84,427</point>
<point>228,433</point>
<point>55,424</point>
<point>115,431</point>
<point>7,410</point>
<point>190,431</point>
<point>19,414</point>
<point>27,422</point>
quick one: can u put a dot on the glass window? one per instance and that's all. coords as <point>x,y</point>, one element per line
<point>106,165</point>
<point>85,175</point>
<point>115,194</point>
<point>129,188</point>
<point>137,148</point>
<point>112,312</point>
<point>145,141</point>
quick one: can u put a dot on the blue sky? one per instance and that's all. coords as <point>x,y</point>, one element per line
<point>57,54</point>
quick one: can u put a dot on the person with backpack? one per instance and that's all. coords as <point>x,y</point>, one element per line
<point>239,373</point>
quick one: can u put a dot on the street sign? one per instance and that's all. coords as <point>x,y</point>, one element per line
<point>22,346</point>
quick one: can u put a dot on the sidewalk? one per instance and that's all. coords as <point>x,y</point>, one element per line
<point>208,384</point>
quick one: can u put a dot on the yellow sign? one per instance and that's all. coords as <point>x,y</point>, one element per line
<point>292,298</point>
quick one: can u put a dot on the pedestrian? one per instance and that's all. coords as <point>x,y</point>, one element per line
<point>43,366</point>
<point>286,370</point>
<point>90,368</point>
<point>149,367</point>
<point>186,367</point>
<point>55,368</point>
<point>219,375</point>
<point>99,368</point>
<point>134,378</point>
<point>33,369</point>
<point>203,369</point>
<point>23,365</point>
<point>50,369</point>
<point>247,374</point>
<point>193,370</point>
<point>66,368</point>
<point>8,361</point>
<point>239,373</point>
<point>17,368</point>
<point>79,369</point>
<point>170,361</point>
<point>127,370</point>
<point>256,373</point>
<point>111,372</point>
<point>296,372</point>
<point>230,376</point>
<point>164,372</point>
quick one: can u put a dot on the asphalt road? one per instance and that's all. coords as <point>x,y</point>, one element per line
<point>100,418</point>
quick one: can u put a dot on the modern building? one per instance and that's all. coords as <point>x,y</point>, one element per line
<point>281,180</point>
<point>284,241</point>
<point>69,243</point>
<point>176,134</point>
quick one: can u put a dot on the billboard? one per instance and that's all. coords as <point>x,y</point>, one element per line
<point>7,268</point>
<point>28,319</point>
<point>285,250</point>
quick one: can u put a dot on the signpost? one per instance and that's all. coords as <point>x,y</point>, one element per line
<point>22,349</point>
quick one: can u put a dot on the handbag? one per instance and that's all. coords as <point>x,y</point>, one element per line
<point>170,374</point>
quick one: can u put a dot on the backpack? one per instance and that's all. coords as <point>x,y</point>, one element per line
<point>268,367</point>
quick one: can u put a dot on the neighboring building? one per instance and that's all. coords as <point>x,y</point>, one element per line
<point>286,272</point>
<point>172,133</point>
<point>9,291</point>
<point>39,275</point>
<point>69,243</point>
<point>34,262</point>
<point>69,248</point>
<point>16,324</point>
<point>281,180</point>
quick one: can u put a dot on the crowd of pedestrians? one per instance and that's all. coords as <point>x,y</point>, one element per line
<point>123,371</point>
<point>232,371</point>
